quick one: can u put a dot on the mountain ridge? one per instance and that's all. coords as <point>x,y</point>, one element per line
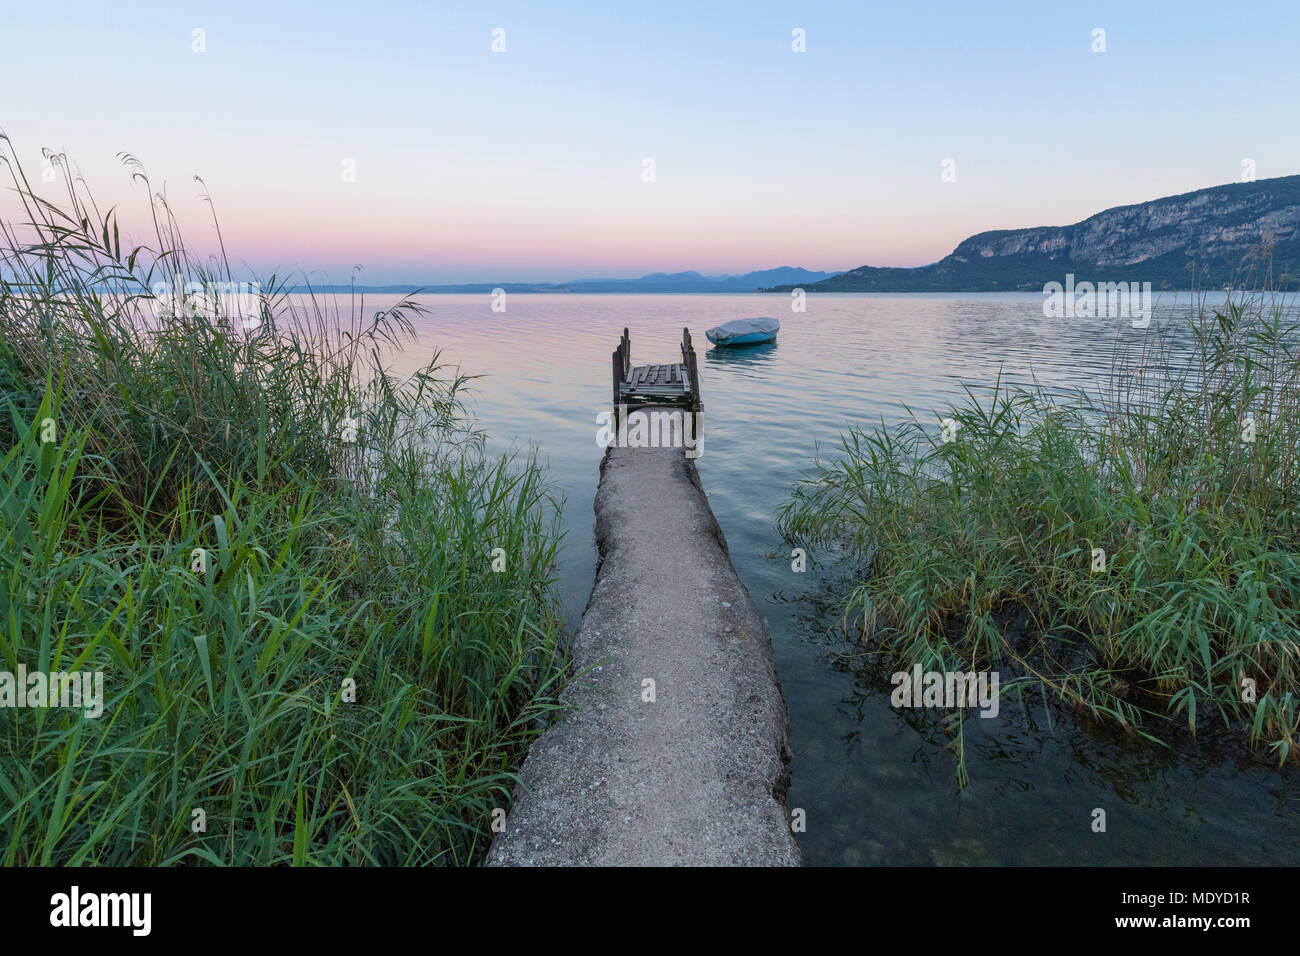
<point>1221,231</point>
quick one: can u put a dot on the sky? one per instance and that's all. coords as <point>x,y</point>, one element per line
<point>617,139</point>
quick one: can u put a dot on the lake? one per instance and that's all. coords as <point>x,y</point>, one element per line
<point>877,784</point>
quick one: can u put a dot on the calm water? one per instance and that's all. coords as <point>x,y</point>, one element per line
<point>878,786</point>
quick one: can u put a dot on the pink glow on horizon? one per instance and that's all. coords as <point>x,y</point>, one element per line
<point>538,248</point>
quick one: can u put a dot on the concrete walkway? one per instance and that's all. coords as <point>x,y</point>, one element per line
<point>698,775</point>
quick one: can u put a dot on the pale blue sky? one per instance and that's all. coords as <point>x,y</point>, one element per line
<point>527,165</point>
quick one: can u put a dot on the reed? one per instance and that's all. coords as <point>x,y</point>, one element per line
<point>278,554</point>
<point>1136,552</point>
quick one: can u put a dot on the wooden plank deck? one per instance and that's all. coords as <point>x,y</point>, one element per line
<point>675,383</point>
<point>657,381</point>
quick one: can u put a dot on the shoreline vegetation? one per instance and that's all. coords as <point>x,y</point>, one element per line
<point>1135,553</point>
<point>279,557</point>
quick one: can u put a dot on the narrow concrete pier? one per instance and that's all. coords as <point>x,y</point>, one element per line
<point>691,769</point>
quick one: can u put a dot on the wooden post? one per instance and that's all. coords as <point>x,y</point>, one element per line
<point>618,377</point>
<point>693,368</point>
<point>686,362</point>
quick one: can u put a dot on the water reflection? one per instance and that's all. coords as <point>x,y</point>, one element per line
<point>742,354</point>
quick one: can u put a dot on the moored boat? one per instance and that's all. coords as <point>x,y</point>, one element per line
<point>754,331</point>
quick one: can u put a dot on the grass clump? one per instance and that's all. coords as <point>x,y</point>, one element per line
<point>278,554</point>
<point>1136,552</point>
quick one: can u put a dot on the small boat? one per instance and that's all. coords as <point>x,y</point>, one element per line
<point>744,332</point>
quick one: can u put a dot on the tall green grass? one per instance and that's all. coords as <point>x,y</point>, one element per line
<point>347,520</point>
<point>986,550</point>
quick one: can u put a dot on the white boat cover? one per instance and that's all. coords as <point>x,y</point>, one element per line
<point>736,328</point>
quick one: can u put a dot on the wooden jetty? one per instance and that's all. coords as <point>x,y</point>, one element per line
<point>676,384</point>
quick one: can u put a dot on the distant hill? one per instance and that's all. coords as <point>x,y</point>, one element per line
<point>1219,231</point>
<point>654,282</point>
<point>694,282</point>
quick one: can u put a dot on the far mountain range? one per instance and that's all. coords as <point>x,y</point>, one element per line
<point>1203,239</point>
<point>654,282</point>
